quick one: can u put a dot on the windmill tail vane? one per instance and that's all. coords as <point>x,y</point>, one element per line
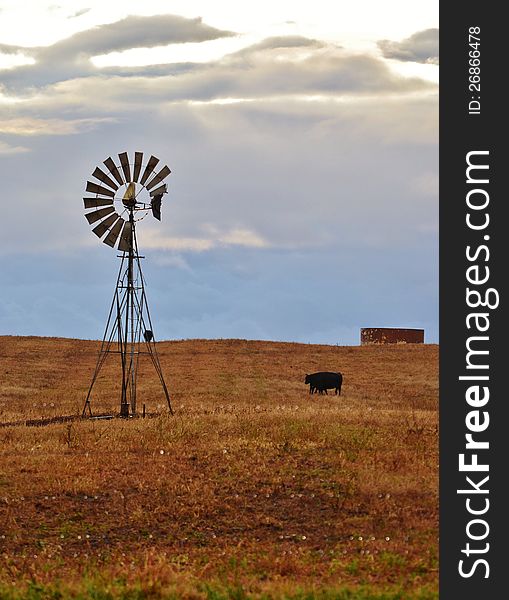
<point>123,196</point>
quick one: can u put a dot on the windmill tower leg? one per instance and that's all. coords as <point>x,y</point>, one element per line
<point>128,347</point>
<point>143,331</point>
<point>112,331</point>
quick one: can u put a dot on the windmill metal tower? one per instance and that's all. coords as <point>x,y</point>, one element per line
<point>123,197</point>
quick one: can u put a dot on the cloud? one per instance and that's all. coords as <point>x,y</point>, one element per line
<point>302,202</point>
<point>133,32</point>
<point>427,184</point>
<point>279,43</point>
<point>215,238</point>
<point>287,174</point>
<point>243,237</point>
<point>6,148</point>
<point>14,60</point>
<point>421,47</point>
<point>28,126</point>
<point>164,259</point>
<point>287,66</point>
<point>70,57</point>
<point>275,68</point>
<point>79,13</point>
<point>8,49</point>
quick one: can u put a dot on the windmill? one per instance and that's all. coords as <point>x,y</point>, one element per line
<point>122,196</point>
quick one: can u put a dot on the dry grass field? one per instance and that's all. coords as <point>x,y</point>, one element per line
<point>253,489</point>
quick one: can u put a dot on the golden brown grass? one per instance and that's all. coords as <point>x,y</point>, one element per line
<point>253,487</point>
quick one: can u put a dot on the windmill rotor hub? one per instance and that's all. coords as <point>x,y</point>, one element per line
<point>129,199</point>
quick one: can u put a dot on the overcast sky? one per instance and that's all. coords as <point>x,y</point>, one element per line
<point>303,143</point>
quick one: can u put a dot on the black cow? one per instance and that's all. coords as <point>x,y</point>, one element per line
<point>324,381</point>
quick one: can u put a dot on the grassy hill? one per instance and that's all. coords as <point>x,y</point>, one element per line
<point>253,488</point>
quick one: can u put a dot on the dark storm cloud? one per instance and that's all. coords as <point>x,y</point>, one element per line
<point>420,47</point>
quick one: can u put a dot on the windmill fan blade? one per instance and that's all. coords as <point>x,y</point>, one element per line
<point>149,169</point>
<point>124,161</point>
<point>112,236</point>
<point>99,189</point>
<point>94,216</point>
<point>97,202</point>
<point>101,175</point>
<point>162,189</point>
<point>103,226</point>
<point>138,159</point>
<point>156,206</point>
<point>125,238</point>
<point>123,180</point>
<point>112,168</point>
<point>163,173</point>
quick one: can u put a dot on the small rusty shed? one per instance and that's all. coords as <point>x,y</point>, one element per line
<point>391,335</point>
